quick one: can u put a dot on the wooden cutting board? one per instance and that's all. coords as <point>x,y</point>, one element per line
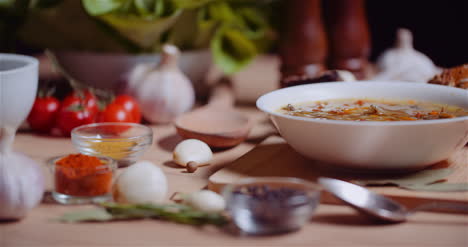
<point>273,157</point>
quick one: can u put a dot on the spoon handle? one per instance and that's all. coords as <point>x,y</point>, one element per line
<point>454,207</point>
<point>221,96</point>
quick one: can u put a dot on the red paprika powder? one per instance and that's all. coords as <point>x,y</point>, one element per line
<point>82,175</point>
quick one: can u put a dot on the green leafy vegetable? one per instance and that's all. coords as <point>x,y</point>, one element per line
<point>235,30</point>
<point>191,4</point>
<point>144,7</point>
<point>6,3</point>
<point>143,32</point>
<point>171,212</point>
<point>186,32</point>
<point>256,28</point>
<point>44,3</point>
<point>221,11</point>
<point>232,50</point>
<point>67,26</point>
<point>254,23</point>
<point>100,7</point>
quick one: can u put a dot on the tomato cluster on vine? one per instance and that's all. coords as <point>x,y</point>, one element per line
<point>51,116</point>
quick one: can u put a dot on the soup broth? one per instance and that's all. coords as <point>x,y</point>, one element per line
<point>373,110</point>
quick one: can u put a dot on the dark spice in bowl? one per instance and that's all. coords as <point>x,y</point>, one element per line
<point>271,205</point>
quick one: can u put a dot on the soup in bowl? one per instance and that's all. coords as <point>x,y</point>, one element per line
<point>371,125</point>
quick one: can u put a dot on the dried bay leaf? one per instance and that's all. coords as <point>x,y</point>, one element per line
<point>172,212</point>
<point>424,177</point>
<point>438,187</point>
<point>86,215</point>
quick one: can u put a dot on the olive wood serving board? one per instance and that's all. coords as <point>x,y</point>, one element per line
<point>274,157</point>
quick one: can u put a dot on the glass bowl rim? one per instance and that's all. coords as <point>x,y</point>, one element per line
<point>111,163</point>
<point>310,187</point>
<point>147,131</point>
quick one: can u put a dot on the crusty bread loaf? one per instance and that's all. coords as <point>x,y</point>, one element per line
<point>454,77</point>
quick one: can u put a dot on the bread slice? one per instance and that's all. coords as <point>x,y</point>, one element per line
<point>454,77</point>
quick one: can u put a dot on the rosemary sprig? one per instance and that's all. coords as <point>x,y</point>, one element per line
<point>171,212</point>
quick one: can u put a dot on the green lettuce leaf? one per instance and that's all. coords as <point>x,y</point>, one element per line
<point>143,22</point>
<point>6,3</point>
<point>235,30</point>
<point>232,49</point>
<point>143,32</point>
<point>191,4</point>
<point>256,27</point>
<point>100,7</point>
<point>144,7</point>
<point>67,26</point>
<point>185,33</point>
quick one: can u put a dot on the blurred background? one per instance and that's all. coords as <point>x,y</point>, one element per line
<point>115,47</point>
<point>438,26</point>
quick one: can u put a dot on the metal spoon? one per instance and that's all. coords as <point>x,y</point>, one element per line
<point>378,206</point>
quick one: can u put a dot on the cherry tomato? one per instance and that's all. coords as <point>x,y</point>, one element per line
<point>115,113</point>
<point>87,99</point>
<point>130,105</point>
<point>73,116</point>
<point>43,113</point>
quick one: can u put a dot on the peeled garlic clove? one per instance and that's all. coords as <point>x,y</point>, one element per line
<point>206,201</point>
<point>142,182</point>
<point>192,150</point>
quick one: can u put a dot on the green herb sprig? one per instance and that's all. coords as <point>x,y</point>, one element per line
<point>234,30</point>
<point>178,213</point>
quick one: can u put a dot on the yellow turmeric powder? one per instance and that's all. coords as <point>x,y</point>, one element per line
<point>113,149</point>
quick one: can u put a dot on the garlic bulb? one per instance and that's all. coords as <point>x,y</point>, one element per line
<point>404,63</point>
<point>142,182</point>
<point>192,153</point>
<point>206,201</point>
<point>162,91</point>
<point>21,185</point>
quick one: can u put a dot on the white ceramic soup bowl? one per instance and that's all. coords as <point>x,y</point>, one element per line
<point>397,146</point>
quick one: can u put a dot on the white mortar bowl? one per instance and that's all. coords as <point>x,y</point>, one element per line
<point>18,87</point>
<point>397,146</point>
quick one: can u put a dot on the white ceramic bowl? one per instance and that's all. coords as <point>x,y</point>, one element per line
<point>403,145</point>
<point>18,86</point>
<point>109,70</point>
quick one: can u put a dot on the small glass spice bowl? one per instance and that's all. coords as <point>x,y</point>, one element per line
<point>82,184</point>
<point>123,142</point>
<point>269,205</point>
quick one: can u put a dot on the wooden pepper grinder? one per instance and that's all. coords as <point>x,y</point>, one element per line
<point>303,45</point>
<point>348,36</point>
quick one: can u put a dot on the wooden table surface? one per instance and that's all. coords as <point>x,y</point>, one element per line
<point>332,225</point>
